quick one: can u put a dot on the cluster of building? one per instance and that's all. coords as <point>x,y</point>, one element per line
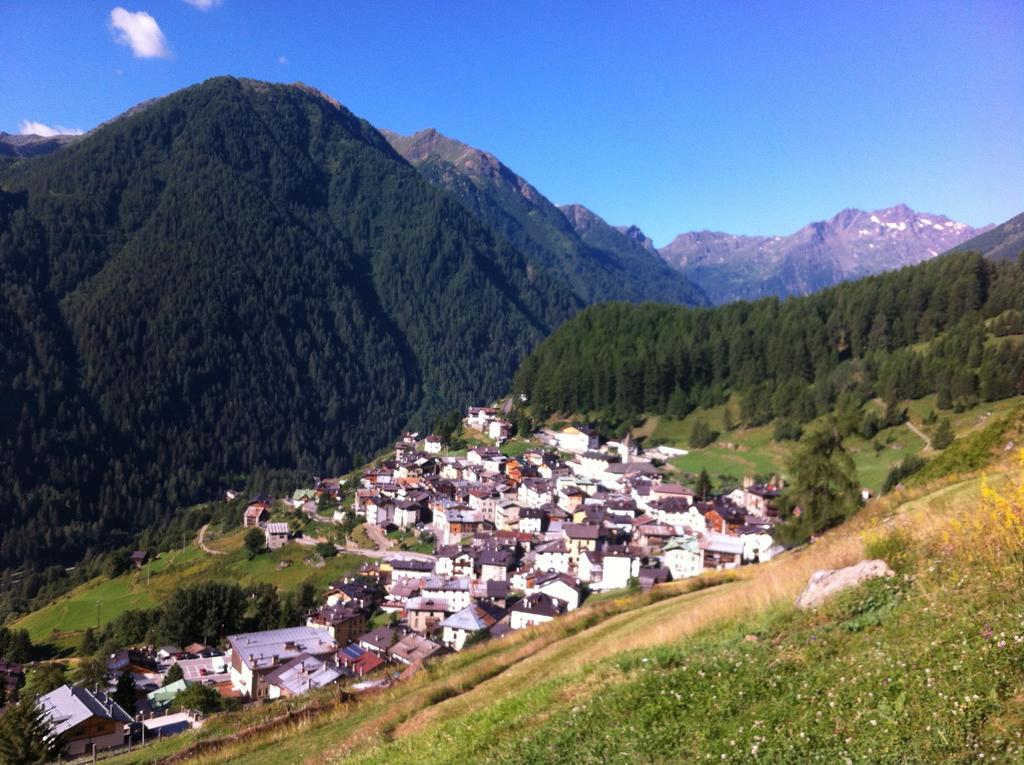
<point>519,541</point>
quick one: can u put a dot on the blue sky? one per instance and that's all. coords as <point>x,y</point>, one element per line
<point>747,117</point>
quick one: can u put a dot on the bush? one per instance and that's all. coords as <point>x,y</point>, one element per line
<point>902,470</point>
<point>787,430</point>
<point>326,550</point>
<point>701,435</point>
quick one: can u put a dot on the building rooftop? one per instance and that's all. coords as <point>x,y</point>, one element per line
<point>67,706</point>
<point>262,650</point>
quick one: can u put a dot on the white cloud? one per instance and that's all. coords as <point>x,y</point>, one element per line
<point>282,60</point>
<point>203,5</point>
<point>28,127</point>
<point>140,32</point>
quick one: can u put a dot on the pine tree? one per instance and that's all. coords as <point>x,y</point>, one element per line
<point>943,435</point>
<point>823,485</point>
<point>124,693</point>
<point>703,487</point>
<point>25,735</point>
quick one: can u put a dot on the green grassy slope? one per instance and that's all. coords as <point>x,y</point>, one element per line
<point>751,451</point>
<point>924,667</point>
<point>61,622</point>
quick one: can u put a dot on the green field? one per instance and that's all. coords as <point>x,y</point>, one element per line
<point>61,622</point>
<point>751,451</point>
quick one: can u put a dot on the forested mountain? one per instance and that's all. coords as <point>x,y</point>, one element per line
<point>238,278</point>
<point>604,264</point>
<point>952,326</point>
<point>1004,242</point>
<point>850,245</point>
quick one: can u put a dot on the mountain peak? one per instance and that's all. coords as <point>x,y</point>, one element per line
<point>851,244</point>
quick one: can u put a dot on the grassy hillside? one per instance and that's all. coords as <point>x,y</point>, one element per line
<point>751,451</point>
<point>102,600</point>
<point>925,667</point>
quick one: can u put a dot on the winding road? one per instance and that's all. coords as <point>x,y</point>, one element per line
<point>201,541</point>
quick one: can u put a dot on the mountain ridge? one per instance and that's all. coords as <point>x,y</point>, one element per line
<point>609,266</point>
<point>851,244</point>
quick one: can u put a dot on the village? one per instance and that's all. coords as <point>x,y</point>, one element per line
<point>517,542</point>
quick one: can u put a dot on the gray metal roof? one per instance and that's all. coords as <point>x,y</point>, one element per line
<point>258,650</point>
<point>67,706</point>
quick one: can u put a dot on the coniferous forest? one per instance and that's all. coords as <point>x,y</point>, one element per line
<point>951,326</point>
<point>235,279</point>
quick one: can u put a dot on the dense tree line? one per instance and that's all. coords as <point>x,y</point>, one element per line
<point>942,327</point>
<point>207,613</point>
<point>236,280</point>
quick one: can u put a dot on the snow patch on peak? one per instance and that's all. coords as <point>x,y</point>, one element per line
<point>874,219</point>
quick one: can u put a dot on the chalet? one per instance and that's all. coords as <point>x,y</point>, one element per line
<point>499,430</point>
<point>534,492</point>
<point>301,675</point>
<point>595,464</point>
<point>410,568</point>
<point>678,511</point>
<point>162,698</point>
<point>490,592</point>
<point>560,587</point>
<point>424,614</point>
<point>533,610</point>
<point>758,545</point>
<point>472,620</point>
<point>660,491</point>
<point>477,417</point>
<point>506,514</point>
<point>580,537</point>
<point>358,594</point>
<point>755,498</point>
<point>433,444</point>
<point>301,496</point>
<point>683,557</point>
<point>399,592</point>
<point>276,535</point>
<point>454,590</point>
<point>413,648</point>
<point>457,521</point>
<point>379,640</point>
<point>255,514</point>
<point>570,498</point>
<point>533,520</point>
<point>84,719</point>
<point>496,564</point>
<point>552,556</point>
<point>358,661</point>
<point>576,439</point>
<point>722,515</point>
<point>618,567</point>
<point>255,654</point>
<point>514,470</point>
<point>208,670</point>
<point>139,558</point>
<point>722,550</point>
<point>342,621</point>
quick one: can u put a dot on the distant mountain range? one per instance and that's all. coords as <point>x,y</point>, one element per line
<point>852,244</point>
<point>593,259</point>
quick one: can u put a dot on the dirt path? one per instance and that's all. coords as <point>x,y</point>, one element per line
<point>920,434</point>
<point>201,541</point>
